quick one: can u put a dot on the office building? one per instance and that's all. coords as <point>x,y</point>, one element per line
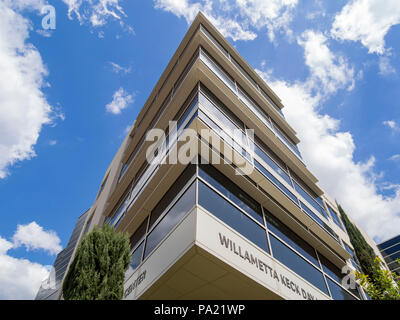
<point>252,223</point>
<point>390,250</point>
<point>51,287</point>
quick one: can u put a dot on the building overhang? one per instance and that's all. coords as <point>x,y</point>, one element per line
<point>203,258</point>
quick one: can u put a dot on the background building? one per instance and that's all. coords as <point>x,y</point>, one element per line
<point>390,250</point>
<point>51,288</point>
<point>201,231</point>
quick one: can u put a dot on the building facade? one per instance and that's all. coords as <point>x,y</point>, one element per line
<point>51,288</point>
<point>390,250</point>
<point>239,216</point>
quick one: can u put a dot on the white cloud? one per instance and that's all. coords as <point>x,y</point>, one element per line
<point>96,12</point>
<point>392,125</point>
<point>385,68</point>
<point>21,278</point>
<point>367,21</point>
<point>24,107</point>
<point>274,14</point>
<point>116,68</point>
<point>45,33</point>
<point>328,71</point>
<point>234,18</point>
<point>121,100</point>
<point>395,157</point>
<point>33,237</point>
<point>52,142</point>
<point>36,5</point>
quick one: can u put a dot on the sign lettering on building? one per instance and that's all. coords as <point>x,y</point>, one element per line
<point>264,267</point>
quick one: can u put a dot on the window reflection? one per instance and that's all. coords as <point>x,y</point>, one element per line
<point>292,260</point>
<point>292,239</point>
<point>233,217</point>
<point>231,191</point>
<point>135,260</point>
<point>337,292</point>
<point>171,219</point>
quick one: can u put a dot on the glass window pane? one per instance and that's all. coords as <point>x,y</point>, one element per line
<point>139,234</point>
<point>233,217</point>
<point>319,221</point>
<point>218,114</point>
<point>310,200</point>
<point>171,194</point>
<point>231,191</point>
<point>217,70</point>
<point>331,269</point>
<point>275,181</point>
<point>272,164</point>
<point>337,292</point>
<point>335,217</point>
<point>209,100</point>
<point>135,260</point>
<point>393,257</point>
<point>171,219</point>
<point>292,239</point>
<point>292,260</point>
<point>391,250</point>
<point>389,243</point>
<point>187,113</point>
<point>254,108</point>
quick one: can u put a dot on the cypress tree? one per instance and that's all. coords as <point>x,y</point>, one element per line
<point>98,269</point>
<point>365,254</point>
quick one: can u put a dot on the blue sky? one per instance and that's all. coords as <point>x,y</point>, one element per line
<point>67,97</point>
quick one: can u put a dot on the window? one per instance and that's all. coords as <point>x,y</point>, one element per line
<point>310,200</point>
<point>258,151</point>
<point>290,238</point>
<point>88,223</point>
<point>169,196</point>
<point>353,258</point>
<point>135,260</point>
<point>393,257</point>
<point>391,250</point>
<point>210,101</point>
<point>217,70</point>
<point>318,220</point>
<point>389,243</point>
<point>335,217</point>
<point>337,292</point>
<point>254,108</point>
<point>139,234</point>
<point>224,210</point>
<point>119,208</point>
<point>171,219</point>
<point>292,260</point>
<point>275,181</point>
<point>236,64</point>
<point>231,191</point>
<point>331,269</point>
<point>213,40</point>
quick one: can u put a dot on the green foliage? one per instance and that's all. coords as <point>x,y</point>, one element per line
<point>365,254</point>
<point>382,285</point>
<point>98,269</point>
